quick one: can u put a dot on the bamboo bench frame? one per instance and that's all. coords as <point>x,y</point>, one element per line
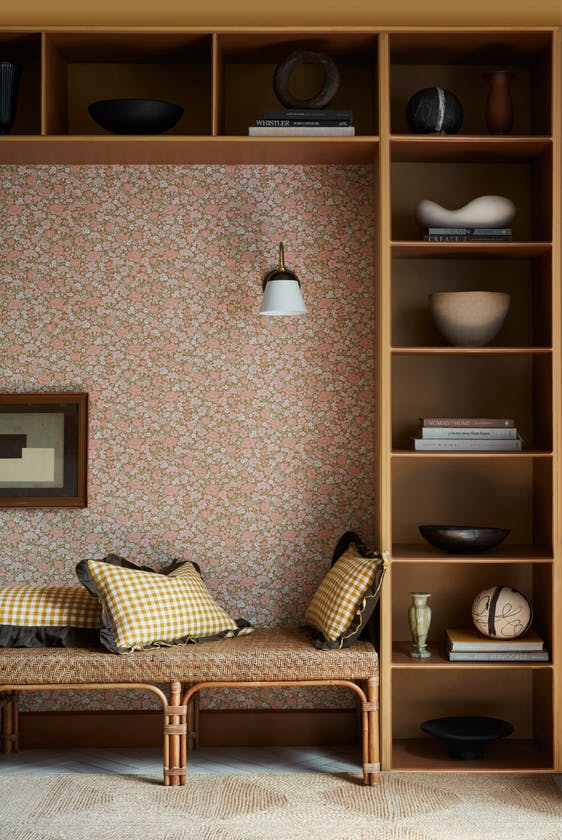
<point>276,657</point>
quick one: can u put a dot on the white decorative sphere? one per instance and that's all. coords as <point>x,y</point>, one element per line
<point>501,612</point>
<point>486,211</point>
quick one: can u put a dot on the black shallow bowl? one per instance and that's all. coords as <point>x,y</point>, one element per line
<point>463,539</point>
<point>467,736</point>
<point>135,116</point>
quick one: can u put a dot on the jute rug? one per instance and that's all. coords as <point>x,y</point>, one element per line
<point>281,807</point>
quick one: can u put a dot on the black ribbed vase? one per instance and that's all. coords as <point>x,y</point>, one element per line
<point>10,74</point>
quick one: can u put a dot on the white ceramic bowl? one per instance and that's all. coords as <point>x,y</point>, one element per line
<point>469,319</point>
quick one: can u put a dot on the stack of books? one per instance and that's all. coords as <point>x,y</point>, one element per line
<point>464,434</point>
<point>303,123</point>
<point>468,645</point>
<point>452,234</point>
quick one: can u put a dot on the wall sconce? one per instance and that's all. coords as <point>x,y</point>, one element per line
<point>282,291</point>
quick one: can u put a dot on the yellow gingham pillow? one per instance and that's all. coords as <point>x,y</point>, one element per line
<point>340,602</point>
<point>48,615</point>
<point>145,609</point>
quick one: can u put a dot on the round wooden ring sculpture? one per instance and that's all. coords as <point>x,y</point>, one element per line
<point>284,71</point>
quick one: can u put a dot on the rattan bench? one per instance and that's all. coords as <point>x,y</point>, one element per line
<point>282,656</point>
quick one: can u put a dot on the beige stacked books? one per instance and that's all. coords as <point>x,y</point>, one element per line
<point>480,434</point>
<point>468,645</point>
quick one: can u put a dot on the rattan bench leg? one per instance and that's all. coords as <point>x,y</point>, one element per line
<point>372,769</point>
<point>174,718</point>
<point>195,710</point>
<point>175,738</point>
<point>10,722</point>
<point>369,712</point>
<point>192,718</point>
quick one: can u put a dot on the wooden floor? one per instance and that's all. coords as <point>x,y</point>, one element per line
<point>148,761</point>
<point>144,761</point>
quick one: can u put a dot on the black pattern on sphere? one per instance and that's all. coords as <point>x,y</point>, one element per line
<point>434,111</point>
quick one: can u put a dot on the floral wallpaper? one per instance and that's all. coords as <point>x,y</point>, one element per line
<point>242,442</point>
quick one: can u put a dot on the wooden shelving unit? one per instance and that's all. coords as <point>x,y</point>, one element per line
<point>222,78</point>
<point>516,376</point>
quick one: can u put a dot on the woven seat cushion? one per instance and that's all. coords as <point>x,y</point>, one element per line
<point>346,597</point>
<point>48,615</point>
<point>143,609</point>
<point>277,653</point>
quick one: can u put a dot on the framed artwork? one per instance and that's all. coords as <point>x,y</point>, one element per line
<point>43,450</point>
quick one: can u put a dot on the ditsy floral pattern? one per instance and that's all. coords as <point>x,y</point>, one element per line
<point>244,443</point>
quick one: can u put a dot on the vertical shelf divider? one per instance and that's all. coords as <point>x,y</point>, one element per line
<point>384,436</point>
<point>43,117</point>
<point>217,109</point>
<point>556,108</point>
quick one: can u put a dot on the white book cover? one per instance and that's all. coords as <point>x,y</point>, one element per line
<point>471,422</point>
<point>302,131</point>
<point>469,639</point>
<point>501,432</point>
<point>467,445</point>
<point>499,656</point>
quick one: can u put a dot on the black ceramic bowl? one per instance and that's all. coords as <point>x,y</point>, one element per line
<point>467,736</point>
<point>135,116</point>
<point>463,539</point>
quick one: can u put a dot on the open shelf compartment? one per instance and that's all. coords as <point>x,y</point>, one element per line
<point>523,697</point>
<point>499,492</point>
<point>453,184</point>
<point>25,49</point>
<point>528,282</point>
<point>458,61</point>
<point>81,68</point>
<point>247,63</point>
<point>517,386</point>
<point>453,587</point>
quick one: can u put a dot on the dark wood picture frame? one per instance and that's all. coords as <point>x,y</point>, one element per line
<point>70,453</point>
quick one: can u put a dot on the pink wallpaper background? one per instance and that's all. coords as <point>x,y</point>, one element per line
<point>244,443</point>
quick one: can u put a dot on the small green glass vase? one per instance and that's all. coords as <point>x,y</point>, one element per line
<point>419,618</point>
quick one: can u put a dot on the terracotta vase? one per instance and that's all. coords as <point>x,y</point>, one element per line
<point>499,106</point>
<point>419,619</point>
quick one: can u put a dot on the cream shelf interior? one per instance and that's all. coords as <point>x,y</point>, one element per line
<point>223,79</point>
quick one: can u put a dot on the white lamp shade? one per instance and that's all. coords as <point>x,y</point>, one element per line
<point>282,297</point>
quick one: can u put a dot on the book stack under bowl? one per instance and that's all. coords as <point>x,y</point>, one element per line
<point>468,645</point>
<point>307,122</point>
<point>465,434</point>
<point>465,234</point>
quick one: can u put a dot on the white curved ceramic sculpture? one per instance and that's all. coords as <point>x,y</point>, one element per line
<point>486,211</point>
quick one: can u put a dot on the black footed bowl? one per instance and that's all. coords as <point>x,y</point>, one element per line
<point>463,539</point>
<point>467,736</point>
<point>135,116</point>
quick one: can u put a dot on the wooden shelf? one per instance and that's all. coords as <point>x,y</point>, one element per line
<point>184,150</point>
<point>470,351</point>
<point>504,553</point>
<point>439,659</point>
<point>471,453</point>
<point>473,46</point>
<point>423,148</point>
<point>506,756</point>
<point>502,250</point>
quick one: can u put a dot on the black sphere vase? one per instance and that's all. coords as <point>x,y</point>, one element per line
<point>467,736</point>
<point>434,111</point>
<point>10,74</point>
